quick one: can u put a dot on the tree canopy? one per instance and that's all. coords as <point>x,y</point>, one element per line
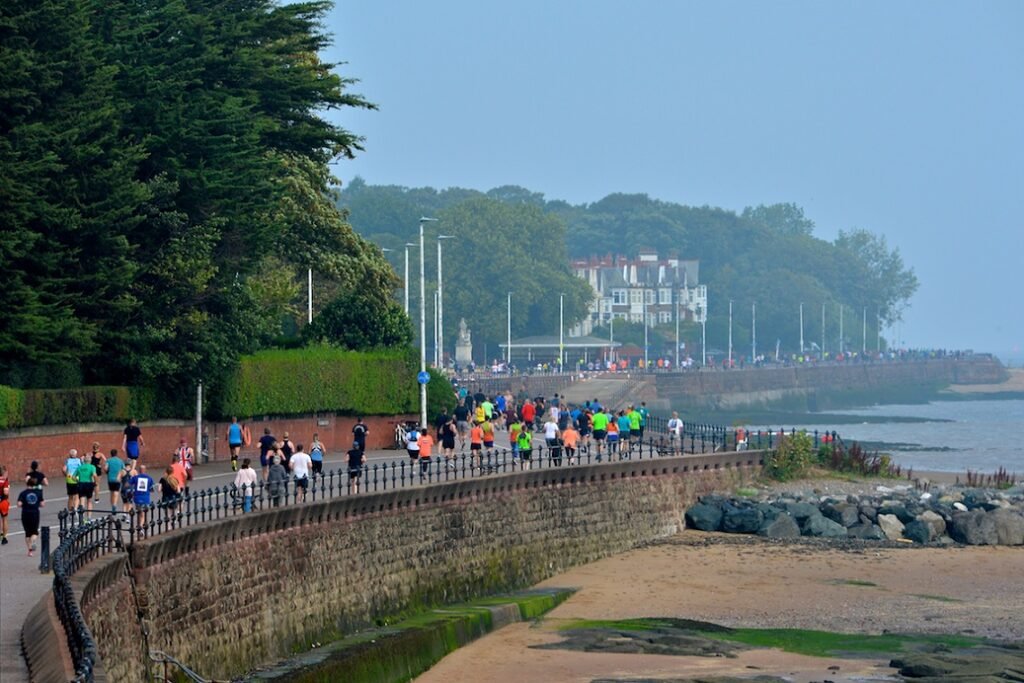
<point>765,255</point>
<point>163,184</point>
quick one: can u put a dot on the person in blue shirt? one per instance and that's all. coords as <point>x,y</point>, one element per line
<point>114,466</point>
<point>624,431</point>
<point>142,487</point>
<point>236,436</point>
<point>316,454</point>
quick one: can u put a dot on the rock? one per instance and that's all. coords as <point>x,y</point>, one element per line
<point>741,520</point>
<point>866,532</point>
<point>782,526</point>
<point>869,512</point>
<point>801,511</point>
<point>842,513</point>
<point>820,527</point>
<point>975,527</point>
<point>897,509</point>
<point>769,512</point>
<point>891,526</point>
<point>1009,527</point>
<point>704,517</point>
<point>959,506</point>
<point>935,521</point>
<point>918,532</point>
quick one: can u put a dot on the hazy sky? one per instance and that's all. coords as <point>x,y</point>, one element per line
<point>901,118</point>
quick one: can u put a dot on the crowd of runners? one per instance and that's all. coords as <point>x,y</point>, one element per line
<point>523,425</point>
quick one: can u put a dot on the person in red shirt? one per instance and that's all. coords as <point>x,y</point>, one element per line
<point>5,503</point>
<point>529,413</point>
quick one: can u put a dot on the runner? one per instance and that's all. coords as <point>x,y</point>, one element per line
<point>514,427</point>
<point>114,467</point>
<point>70,469</point>
<point>356,462</point>
<point>30,500</point>
<point>635,429</point>
<point>187,456</point>
<point>570,438</point>
<point>98,460</point>
<point>34,471</point>
<point>300,464</point>
<point>551,435</point>
<point>316,455</point>
<point>412,445</point>
<point>462,422</point>
<point>600,422</point>
<point>613,439</point>
<point>526,447</point>
<point>529,413</point>
<point>5,503</point>
<point>236,437</point>
<point>267,444</point>
<point>359,432</point>
<point>488,430</point>
<point>132,441</point>
<point>448,434</point>
<point>86,476</point>
<point>142,486</point>
<point>426,446</point>
<point>476,445</point>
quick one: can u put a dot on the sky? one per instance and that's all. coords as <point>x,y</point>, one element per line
<point>902,118</point>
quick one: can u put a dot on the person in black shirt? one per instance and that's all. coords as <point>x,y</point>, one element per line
<point>356,460</point>
<point>359,432</point>
<point>267,442</point>
<point>440,422</point>
<point>30,500</point>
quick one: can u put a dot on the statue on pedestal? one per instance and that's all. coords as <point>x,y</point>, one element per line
<point>463,345</point>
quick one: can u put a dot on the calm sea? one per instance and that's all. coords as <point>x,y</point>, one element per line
<point>947,436</point>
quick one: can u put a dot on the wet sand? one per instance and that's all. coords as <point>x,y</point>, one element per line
<point>1015,382</point>
<point>744,581</point>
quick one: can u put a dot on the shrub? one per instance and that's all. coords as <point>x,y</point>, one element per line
<point>324,378</point>
<point>791,458</point>
<point>31,407</point>
<point>10,407</point>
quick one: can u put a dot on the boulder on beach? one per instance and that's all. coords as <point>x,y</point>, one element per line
<point>782,526</point>
<point>845,514</point>
<point>918,532</point>
<point>975,527</point>
<point>935,521</point>
<point>704,516</point>
<point>741,520</point>
<point>891,526</point>
<point>801,511</point>
<point>896,509</point>
<point>1009,526</point>
<point>866,532</point>
<point>822,527</point>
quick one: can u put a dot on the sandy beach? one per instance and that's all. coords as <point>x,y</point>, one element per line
<point>745,581</point>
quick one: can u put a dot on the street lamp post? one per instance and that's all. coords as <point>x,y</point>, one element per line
<point>730,333</point>
<point>561,328</point>
<point>704,336</point>
<point>801,328</point>
<point>864,331</point>
<point>878,330</point>
<point>753,332</point>
<point>677,329</point>
<point>405,283</point>
<point>423,328</point>
<point>508,335</point>
<point>645,330</point>
<point>841,346</point>
<point>823,331</point>
<point>439,362</point>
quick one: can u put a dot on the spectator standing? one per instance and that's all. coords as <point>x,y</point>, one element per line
<point>245,483</point>
<point>5,503</point>
<point>70,469</point>
<point>277,481</point>
<point>359,432</point>
<point>300,464</point>
<point>675,431</point>
<point>30,500</point>
<point>132,441</point>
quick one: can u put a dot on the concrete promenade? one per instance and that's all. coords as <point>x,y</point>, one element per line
<point>21,583</point>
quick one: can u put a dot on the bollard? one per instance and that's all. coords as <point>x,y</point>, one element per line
<point>44,550</point>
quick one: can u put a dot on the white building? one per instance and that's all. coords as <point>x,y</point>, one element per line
<point>669,287</point>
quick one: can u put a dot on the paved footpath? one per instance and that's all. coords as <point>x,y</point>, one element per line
<point>21,583</point>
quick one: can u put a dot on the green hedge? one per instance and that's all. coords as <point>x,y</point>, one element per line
<point>31,407</point>
<point>323,378</point>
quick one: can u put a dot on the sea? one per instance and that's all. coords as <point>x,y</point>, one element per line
<point>941,436</point>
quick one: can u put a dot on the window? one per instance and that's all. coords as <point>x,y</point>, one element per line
<point>619,296</point>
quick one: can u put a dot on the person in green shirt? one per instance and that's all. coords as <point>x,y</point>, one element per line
<point>86,475</point>
<point>525,441</point>
<point>600,422</point>
<point>643,417</point>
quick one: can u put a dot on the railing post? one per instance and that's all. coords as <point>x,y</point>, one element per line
<point>44,550</point>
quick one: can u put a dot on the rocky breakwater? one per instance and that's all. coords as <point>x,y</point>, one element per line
<point>939,515</point>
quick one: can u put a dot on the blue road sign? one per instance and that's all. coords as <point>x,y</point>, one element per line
<point>423,377</point>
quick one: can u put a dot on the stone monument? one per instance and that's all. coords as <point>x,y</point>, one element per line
<point>464,345</point>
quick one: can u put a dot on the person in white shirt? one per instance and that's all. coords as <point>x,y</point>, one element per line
<point>675,431</point>
<point>551,437</point>
<point>300,463</point>
<point>245,482</point>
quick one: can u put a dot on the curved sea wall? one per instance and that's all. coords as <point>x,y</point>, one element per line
<point>227,596</point>
<point>765,386</point>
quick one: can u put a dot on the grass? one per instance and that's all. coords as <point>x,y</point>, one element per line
<point>855,582</point>
<point>939,598</point>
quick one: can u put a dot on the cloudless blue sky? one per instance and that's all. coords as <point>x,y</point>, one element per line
<point>903,118</point>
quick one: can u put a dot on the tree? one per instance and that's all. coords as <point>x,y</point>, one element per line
<point>360,320</point>
<point>783,219</point>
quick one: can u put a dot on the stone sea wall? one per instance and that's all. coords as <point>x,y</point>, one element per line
<point>731,389</point>
<point>227,596</point>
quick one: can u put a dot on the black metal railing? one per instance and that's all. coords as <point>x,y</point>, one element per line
<point>80,545</point>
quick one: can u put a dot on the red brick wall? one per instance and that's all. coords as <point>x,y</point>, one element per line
<point>50,445</point>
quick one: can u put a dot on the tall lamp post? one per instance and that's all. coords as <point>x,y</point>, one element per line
<point>405,283</point>
<point>753,332</point>
<point>561,328</point>
<point>677,329</point>
<point>823,331</point>
<point>508,335</point>
<point>423,328</point>
<point>801,328</point>
<point>439,361</point>
<point>864,331</point>
<point>704,335</point>
<point>730,333</point>
<point>842,346</point>
<point>645,331</point>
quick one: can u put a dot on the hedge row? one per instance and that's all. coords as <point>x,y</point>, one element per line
<point>322,378</point>
<point>31,407</point>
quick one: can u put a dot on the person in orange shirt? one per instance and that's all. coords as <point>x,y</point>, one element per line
<point>476,444</point>
<point>426,443</point>
<point>612,438</point>
<point>570,439</point>
<point>179,471</point>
